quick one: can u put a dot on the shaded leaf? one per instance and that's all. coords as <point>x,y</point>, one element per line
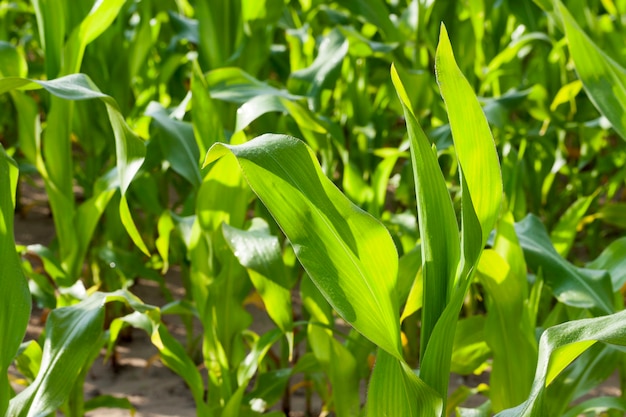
<point>578,287</point>
<point>15,302</point>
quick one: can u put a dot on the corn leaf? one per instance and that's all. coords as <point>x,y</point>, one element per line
<point>97,21</point>
<point>558,347</point>
<point>375,12</point>
<point>177,144</point>
<point>340,366</point>
<point>323,70</point>
<point>512,343</point>
<point>51,23</point>
<point>437,221</point>
<point>578,287</point>
<point>207,124</point>
<point>473,142</point>
<point>481,194</point>
<point>15,300</point>
<point>171,352</point>
<point>470,348</point>
<point>72,334</point>
<point>590,369</point>
<point>395,390</point>
<point>234,85</point>
<point>130,150</point>
<point>597,406</point>
<point>511,337</point>
<point>565,231</point>
<point>260,253</point>
<point>613,259</point>
<point>344,250</point>
<point>604,79</point>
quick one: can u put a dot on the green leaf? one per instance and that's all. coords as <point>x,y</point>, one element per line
<point>97,21</point>
<point>28,361</point>
<point>12,62</point>
<point>511,341</point>
<point>395,390</point>
<point>51,26</point>
<point>130,150</point>
<point>481,194</point>
<point>72,335</point>
<point>593,367</point>
<point>253,360</point>
<point>470,348</point>
<point>340,366</point>
<point>323,71</point>
<point>508,330</point>
<point>260,253</point>
<point>604,79</point>
<point>207,124</point>
<point>559,346</point>
<point>613,259</point>
<point>343,249</point>
<point>577,287</point>
<point>177,144</point>
<point>437,221</point>
<point>376,13</point>
<point>260,105</point>
<point>15,302</point>
<point>234,85</point>
<point>597,406</point>
<point>564,232</point>
<point>219,25</point>
<point>613,214</point>
<point>473,142</point>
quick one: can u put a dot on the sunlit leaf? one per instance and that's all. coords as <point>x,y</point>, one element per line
<point>604,79</point>
<point>344,250</point>
<point>552,354</point>
<point>395,390</point>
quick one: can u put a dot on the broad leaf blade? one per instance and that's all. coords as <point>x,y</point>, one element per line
<point>260,253</point>
<point>564,232</point>
<point>552,354</point>
<point>613,259</point>
<point>344,250</point>
<point>437,222</point>
<point>473,141</point>
<point>70,336</point>
<point>177,144</point>
<point>15,300</point>
<point>395,390</point>
<point>584,288</point>
<point>604,79</point>
<point>508,331</point>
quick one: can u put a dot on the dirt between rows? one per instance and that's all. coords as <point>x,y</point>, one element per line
<point>153,389</point>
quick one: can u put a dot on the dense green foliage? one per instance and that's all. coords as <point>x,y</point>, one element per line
<point>438,185</point>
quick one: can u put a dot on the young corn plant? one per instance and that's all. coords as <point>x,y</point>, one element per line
<point>335,102</point>
<point>350,257</point>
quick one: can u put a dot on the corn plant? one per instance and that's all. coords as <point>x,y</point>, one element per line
<point>374,223</point>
